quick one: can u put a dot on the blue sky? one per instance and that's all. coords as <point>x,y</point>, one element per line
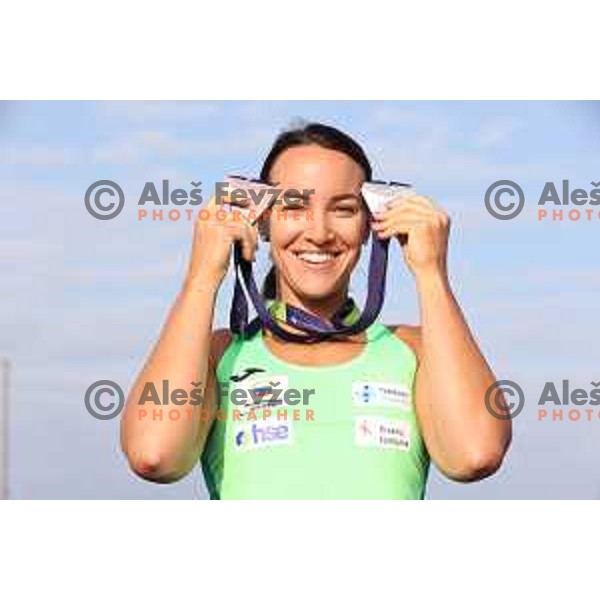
<point>84,299</point>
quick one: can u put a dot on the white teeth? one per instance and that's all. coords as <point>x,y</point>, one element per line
<point>315,257</point>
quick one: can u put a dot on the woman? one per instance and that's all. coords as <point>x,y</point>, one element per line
<point>384,401</point>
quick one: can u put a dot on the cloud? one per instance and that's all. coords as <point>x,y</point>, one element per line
<point>117,152</point>
<point>395,114</point>
<point>498,131</point>
<point>147,146</point>
<point>39,156</point>
<point>430,156</point>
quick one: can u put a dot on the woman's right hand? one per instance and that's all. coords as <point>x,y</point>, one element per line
<point>214,237</point>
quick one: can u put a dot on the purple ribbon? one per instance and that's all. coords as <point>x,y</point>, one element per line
<point>317,329</point>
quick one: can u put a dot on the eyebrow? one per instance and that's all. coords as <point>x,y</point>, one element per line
<point>346,196</point>
<point>295,192</point>
<point>332,199</point>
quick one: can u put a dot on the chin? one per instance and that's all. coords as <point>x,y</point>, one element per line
<point>317,288</point>
<point>315,292</point>
<point>314,281</point>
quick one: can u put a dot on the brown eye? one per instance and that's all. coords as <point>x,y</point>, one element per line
<point>347,209</point>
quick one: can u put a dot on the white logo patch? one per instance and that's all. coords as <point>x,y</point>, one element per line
<point>380,393</point>
<point>262,434</point>
<point>382,433</point>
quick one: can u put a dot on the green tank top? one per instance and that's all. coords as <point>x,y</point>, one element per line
<point>362,440</point>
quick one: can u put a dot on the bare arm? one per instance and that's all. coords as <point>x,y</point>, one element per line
<point>464,440</point>
<point>166,449</point>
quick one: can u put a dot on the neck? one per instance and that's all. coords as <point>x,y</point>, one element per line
<point>324,308</point>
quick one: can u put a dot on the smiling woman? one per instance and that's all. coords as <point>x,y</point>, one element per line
<point>386,397</point>
<point>333,150</point>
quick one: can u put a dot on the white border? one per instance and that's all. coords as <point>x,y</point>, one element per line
<point>297,549</point>
<point>261,50</point>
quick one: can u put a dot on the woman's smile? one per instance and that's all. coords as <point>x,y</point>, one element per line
<point>316,253</point>
<point>317,260</point>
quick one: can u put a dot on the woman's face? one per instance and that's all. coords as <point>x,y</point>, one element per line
<point>315,244</point>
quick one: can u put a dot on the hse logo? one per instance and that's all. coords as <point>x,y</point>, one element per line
<point>261,435</point>
<point>382,433</point>
<point>380,393</point>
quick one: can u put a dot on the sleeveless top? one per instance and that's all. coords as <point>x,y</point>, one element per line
<point>346,431</point>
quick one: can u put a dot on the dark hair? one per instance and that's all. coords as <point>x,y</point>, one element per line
<point>306,135</point>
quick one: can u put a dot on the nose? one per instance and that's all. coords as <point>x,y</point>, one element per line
<point>319,232</point>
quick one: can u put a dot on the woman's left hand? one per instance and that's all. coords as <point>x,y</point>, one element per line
<point>421,228</point>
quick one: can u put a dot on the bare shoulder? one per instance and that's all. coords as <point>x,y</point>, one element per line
<point>221,338</point>
<point>409,334</point>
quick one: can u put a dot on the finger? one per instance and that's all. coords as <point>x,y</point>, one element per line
<point>426,206</point>
<point>404,212</point>
<point>402,197</point>
<point>403,203</point>
<point>224,214</point>
<point>400,227</point>
<point>248,244</point>
<point>246,235</point>
<point>213,206</point>
<point>244,216</point>
<point>424,202</point>
<point>241,215</point>
<point>399,222</point>
<point>224,201</point>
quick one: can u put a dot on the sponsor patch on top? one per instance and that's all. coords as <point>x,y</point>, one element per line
<point>382,433</point>
<point>260,392</point>
<point>381,393</point>
<point>253,436</point>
